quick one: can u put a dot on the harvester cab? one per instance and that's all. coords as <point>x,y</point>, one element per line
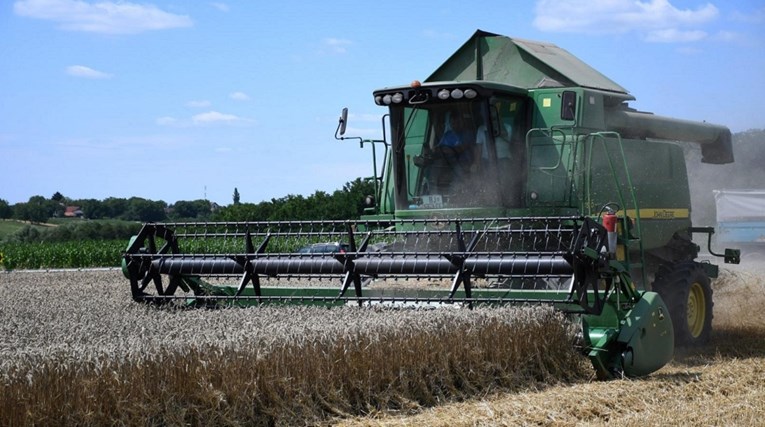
<point>514,174</point>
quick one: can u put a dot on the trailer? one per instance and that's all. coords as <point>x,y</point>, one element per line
<point>741,219</point>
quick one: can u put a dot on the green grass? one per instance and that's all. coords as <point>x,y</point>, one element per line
<point>62,221</point>
<point>10,226</point>
<point>65,221</point>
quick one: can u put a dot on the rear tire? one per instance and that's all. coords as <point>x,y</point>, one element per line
<point>686,290</point>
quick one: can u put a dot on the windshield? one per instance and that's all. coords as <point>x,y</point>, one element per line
<point>460,154</point>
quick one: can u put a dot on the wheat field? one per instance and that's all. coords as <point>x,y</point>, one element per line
<point>721,384</point>
<point>75,350</point>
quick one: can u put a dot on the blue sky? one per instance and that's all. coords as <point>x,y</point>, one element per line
<point>181,100</point>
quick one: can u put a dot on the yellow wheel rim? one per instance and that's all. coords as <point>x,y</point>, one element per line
<point>697,310</point>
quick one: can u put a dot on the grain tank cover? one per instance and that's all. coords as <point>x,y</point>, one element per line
<point>521,63</point>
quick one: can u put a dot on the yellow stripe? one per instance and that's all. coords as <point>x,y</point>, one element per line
<point>657,213</point>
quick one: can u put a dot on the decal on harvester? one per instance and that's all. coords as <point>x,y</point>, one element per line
<point>658,213</point>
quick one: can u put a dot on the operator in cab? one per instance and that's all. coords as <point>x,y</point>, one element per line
<point>457,144</point>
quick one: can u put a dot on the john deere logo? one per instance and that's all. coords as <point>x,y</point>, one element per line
<point>664,214</point>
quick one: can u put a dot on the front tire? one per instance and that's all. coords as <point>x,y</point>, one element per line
<point>686,290</point>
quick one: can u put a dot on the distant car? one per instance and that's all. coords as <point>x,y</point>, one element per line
<point>325,248</point>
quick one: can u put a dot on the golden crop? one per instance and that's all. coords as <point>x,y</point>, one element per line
<point>75,349</point>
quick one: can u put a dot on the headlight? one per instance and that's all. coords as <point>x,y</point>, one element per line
<point>443,94</point>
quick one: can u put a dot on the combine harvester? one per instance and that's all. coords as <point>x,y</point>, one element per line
<point>546,189</point>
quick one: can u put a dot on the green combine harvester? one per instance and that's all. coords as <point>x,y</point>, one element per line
<point>514,174</point>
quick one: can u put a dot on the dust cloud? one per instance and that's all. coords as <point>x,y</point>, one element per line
<point>739,294</point>
<point>745,173</point>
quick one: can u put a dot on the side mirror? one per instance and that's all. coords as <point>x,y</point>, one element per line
<point>343,121</point>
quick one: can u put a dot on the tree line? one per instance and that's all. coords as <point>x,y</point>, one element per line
<point>344,203</point>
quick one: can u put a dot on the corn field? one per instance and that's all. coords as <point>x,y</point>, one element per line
<point>70,254</point>
<point>75,350</point>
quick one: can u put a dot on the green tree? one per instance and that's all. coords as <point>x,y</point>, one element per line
<point>236,196</point>
<point>357,192</point>
<point>37,210</point>
<point>92,208</point>
<point>59,203</point>
<point>245,212</point>
<point>196,209</point>
<point>346,203</point>
<point>292,207</point>
<point>145,210</point>
<point>5,209</point>
<point>115,208</point>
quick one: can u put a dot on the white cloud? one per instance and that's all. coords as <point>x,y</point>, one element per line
<point>213,117</point>
<point>86,72</point>
<point>673,35</point>
<point>336,45</point>
<point>655,20</point>
<point>239,96</point>
<point>223,7</point>
<point>752,17</point>
<point>166,121</point>
<point>198,104</point>
<point>204,119</point>
<point>108,17</point>
<point>727,36</point>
